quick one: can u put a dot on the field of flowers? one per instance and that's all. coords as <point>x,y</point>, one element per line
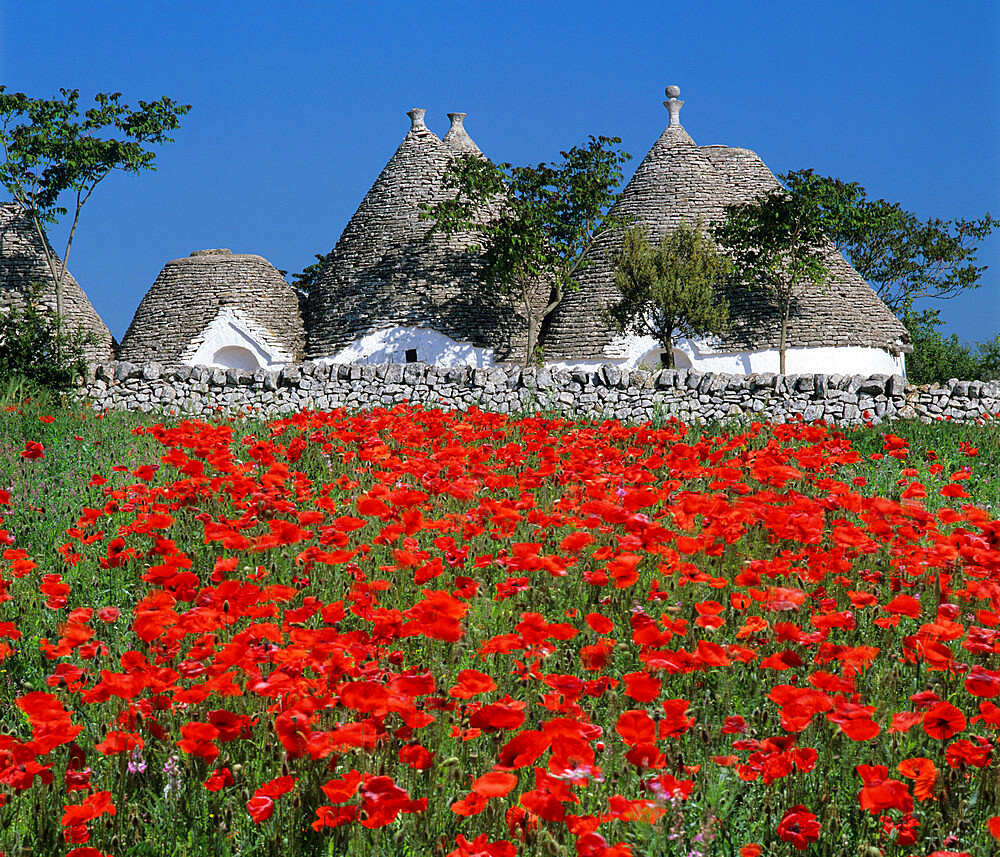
<point>413,632</point>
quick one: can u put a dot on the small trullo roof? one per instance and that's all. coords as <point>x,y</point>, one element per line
<point>680,180</point>
<point>189,295</point>
<point>387,270</point>
<point>22,262</point>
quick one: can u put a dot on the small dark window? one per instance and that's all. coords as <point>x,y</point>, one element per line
<point>411,355</point>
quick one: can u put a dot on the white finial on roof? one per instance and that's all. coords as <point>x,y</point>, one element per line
<point>456,122</point>
<point>674,104</point>
<point>417,119</point>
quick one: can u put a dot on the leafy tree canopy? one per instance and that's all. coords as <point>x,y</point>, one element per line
<point>534,224</point>
<point>670,290</point>
<point>776,244</point>
<point>33,349</point>
<point>901,256</point>
<point>50,151</point>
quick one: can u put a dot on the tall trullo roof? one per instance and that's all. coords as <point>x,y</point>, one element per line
<point>681,180</point>
<point>193,292</point>
<point>22,262</point>
<point>387,270</point>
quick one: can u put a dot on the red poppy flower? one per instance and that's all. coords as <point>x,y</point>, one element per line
<point>219,779</point>
<point>33,449</point>
<point>494,784</point>
<point>636,727</point>
<point>641,686</point>
<point>943,720</point>
<point>675,721</point>
<point>575,542</point>
<point>93,806</point>
<point>506,713</point>
<point>343,789</point>
<point>482,847</point>
<point>799,826</point>
<point>471,683</point>
<point>983,683</point>
<point>416,756</point>
<point>523,749</point>
<point>472,804</point>
<point>600,623</point>
<point>261,808</point>
<point>993,825</point>
<point>880,793</point>
<point>734,726</point>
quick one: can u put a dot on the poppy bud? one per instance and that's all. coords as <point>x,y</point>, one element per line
<point>451,762</point>
<point>399,837</point>
<point>873,851</point>
<point>552,848</point>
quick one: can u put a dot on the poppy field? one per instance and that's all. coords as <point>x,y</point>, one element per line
<point>419,632</point>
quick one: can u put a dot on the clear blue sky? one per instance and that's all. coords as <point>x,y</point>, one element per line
<point>297,106</point>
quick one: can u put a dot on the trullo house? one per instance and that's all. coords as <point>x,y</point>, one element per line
<point>840,327</point>
<point>217,308</point>
<point>392,292</point>
<point>23,262</point>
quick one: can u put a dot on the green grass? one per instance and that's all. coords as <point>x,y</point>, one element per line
<point>52,492</point>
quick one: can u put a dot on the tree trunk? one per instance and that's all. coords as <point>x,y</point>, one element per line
<point>667,357</point>
<point>783,341</point>
<point>529,354</point>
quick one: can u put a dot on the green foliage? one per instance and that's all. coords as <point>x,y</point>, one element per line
<point>775,243</point>
<point>903,257</point>
<point>670,290</point>
<point>535,224</point>
<point>305,279</point>
<point>936,358</point>
<point>48,151</point>
<point>34,352</point>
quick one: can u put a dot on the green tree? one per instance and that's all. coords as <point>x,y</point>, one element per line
<point>936,358</point>
<point>33,349</point>
<point>49,151</point>
<point>902,257</point>
<point>535,224</point>
<point>775,243</point>
<point>671,290</point>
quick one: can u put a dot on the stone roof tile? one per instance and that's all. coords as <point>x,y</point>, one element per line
<point>189,293</point>
<point>680,180</point>
<point>22,262</point>
<point>387,270</point>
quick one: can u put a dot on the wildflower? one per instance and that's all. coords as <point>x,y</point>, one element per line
<point>172,771</point>
<point>943,720</point>
<point>32,450</point>
<point>799,826</point>
<point>136,764</point>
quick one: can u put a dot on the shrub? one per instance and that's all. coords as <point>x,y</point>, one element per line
<point>33,350</point>
<point>936,358</point>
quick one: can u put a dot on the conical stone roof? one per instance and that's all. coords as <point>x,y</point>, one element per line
<point>387,270</point>
<point>22,262</point>
<point>191,293</point>
<point>681,180</point>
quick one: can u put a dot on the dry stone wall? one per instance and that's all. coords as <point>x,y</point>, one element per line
<point>631,396</point>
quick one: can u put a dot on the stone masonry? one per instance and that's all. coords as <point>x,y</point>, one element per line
<point>679,180</point>
<point>389,270</point>
<point>630,396</point>
<point>188,294</point>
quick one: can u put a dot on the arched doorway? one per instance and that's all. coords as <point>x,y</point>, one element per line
<point>653,359</point>
<point>236,357</point>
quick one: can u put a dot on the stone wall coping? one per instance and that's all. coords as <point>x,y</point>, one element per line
<point>894,386</point>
